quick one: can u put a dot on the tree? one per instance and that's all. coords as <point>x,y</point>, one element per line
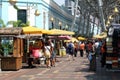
<point>2,23</point>
<point>14,23</point>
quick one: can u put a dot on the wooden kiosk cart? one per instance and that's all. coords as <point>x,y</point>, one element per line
<point>11,59</point>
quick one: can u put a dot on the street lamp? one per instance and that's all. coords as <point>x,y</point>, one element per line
<point>66,27</point>
<point>37,13</point>
<point>12,2</point>
<point>60,25</point>
<point>52,19</point>
<point>116,10</point>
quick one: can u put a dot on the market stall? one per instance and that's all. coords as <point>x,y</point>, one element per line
<point>113,48</point>
<point>31,34</point>
<point>12,48</point>
<point>59,36</point>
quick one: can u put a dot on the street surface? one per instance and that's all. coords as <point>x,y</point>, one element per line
<point>64,70</point>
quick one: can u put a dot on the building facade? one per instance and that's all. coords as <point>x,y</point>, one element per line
<point>49,14</point>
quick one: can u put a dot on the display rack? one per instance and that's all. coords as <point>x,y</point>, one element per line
<point>113,48</point>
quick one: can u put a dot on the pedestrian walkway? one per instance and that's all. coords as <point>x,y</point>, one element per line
<point>64,70</point>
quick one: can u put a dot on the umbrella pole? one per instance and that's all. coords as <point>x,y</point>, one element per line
<point>28,45</point>
<point>27,48</point>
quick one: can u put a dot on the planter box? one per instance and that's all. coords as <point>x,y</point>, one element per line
<point>11,63</point>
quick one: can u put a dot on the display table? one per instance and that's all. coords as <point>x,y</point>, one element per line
<point>62,52</point>
<point>11,63</point>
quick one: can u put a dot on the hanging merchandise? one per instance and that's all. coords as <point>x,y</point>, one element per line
<point>113,48</point>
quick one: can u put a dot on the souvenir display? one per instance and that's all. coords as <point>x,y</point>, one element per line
<point>113,47</point>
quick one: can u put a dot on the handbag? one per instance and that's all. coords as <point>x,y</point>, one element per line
<point>89,56</point>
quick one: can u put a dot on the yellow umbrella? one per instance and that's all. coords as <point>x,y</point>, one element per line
<point>60,32</point>
<point>72,39</point>
<point>96,36</point>
<point>101,35</point>
<point>81,38</point>
<point>31,30</point>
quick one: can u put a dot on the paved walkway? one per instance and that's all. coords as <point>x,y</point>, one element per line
<point>64,70</point>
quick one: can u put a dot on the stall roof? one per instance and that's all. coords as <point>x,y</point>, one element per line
<point>11,31</point>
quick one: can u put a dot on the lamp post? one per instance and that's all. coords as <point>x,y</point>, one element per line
<point>12,2</point>
<point>66,27</point>
<point>52,19</point>
<point>60,24</point>
<point>37,13</point>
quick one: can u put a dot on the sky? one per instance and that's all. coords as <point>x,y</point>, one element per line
<point>59,2</point>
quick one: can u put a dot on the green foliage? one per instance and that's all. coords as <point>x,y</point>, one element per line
<point>17,23</point>
<point>28,23</point>
<point>25,24</point>
<point>2,23</point>
<point>14,23</point>
<point>22,24</point>
<point>8,47</point>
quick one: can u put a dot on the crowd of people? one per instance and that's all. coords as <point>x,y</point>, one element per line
<point>43,51</point>
<point>90,49</point>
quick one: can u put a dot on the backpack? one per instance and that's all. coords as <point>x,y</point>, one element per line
<point>70,46</point>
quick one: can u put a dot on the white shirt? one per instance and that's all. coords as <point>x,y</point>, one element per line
<point>96,44</point>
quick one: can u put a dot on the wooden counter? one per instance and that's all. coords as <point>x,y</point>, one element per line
<point>11,63</point>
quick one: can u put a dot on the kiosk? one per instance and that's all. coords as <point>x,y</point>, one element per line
<point>113,48</point>
<point>12,46</point>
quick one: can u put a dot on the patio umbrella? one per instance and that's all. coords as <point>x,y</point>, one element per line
<point>72,39</point>
<point>31,30</point>
<point>60,32</point>
<point>96,36</point>
<point>101,35</point>
<point>81,38</point>
<point>60,37</point>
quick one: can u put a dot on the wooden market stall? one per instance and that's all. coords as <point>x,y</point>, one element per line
<point>59,36</point>
<point>12,48</point>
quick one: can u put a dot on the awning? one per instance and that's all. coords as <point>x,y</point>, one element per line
<point>101,35</point>
<point>81,38</point>
<point>60,37</point>
<point>60,32</point>
<point>11,31</point>
<point>72,39</point>
<point>31,30</point>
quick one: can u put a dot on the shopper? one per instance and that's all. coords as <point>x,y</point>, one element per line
<point>93,59</point>
<point>52,51</point>
<point>82,47</point>
<point>103,54</point>
<point>47,53</point>
<point>71,50</point>
<point>75,48</point>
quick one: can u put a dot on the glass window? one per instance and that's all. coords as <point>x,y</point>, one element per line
<point>22,15</point>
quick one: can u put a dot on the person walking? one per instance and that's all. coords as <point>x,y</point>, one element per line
<point>47,53</point>
<point>53,54</point>
<point>93,56</point>
<point>70,50</point>
<point>103,54</point>
<point>75,49</point>
<point>82,47</point>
